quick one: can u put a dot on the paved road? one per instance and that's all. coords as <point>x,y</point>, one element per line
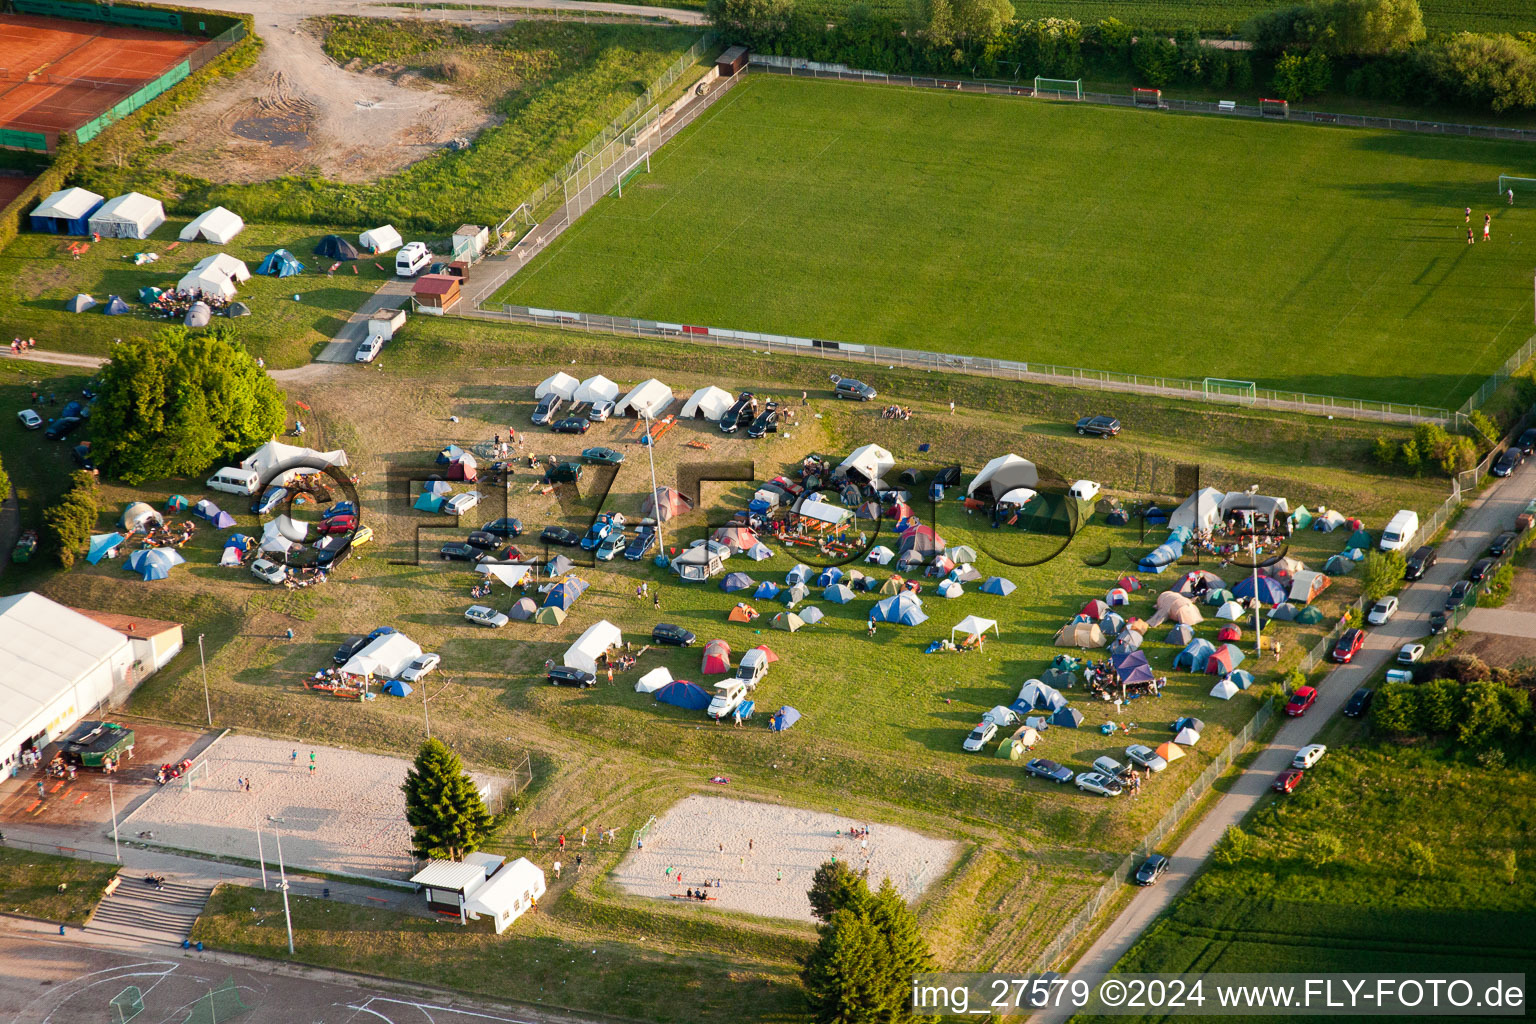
<point>392,294</point>
<point>1503,621</point>
<point>1493,513</point>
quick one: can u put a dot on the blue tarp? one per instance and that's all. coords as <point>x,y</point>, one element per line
<point>101,544</point>
<point>785,717</point>
<point>1270,591</point>
<point>398,688</point>
<point>997,585</point>
<point>903,609</point>
<point>280,263</point>
<point>736,581</point>
<point>683,694</point>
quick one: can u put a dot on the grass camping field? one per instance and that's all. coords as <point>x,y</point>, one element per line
<point>1386,859</point>
<point>883,722</point>
<point>1310,259</point>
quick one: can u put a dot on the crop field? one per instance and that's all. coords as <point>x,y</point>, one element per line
<point>1328,261</point>
<point>1382,904</point>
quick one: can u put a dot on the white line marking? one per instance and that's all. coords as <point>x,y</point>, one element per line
<point>424,1007</point>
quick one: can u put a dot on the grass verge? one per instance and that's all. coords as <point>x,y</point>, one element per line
<point>54,888</point>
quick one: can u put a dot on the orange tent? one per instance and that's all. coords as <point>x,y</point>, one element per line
<point>1170,752</point>
<point>741,613</point>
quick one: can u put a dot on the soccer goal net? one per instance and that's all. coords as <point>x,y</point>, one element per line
<point>643,832</point>
<point>1520,186</point>
<point>1274,108</point>
<point>197,775</point>
<point>125,1006</point>
<point>1060,87</point>
<point>1246,390</point>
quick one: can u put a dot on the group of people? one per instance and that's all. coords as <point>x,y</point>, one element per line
<point>896,412</point>
<point>173,304</point>
<point>169,535</point>
<point>305,576</point>
<point>20,345</point>
<point>166,772</point>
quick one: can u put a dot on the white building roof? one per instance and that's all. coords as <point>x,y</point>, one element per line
<point>451,874</point>
<point>515,886</point>
<point>68,204</point>
<point>45,648</point>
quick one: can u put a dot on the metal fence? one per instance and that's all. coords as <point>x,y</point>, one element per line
<point>57,850</point>
<point>1078,926</point>
<point>810,69</point>
<point>1498,377</point>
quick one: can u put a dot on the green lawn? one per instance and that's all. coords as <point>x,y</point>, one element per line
<point>1377,907</point>
<point>38,275</point>
<point>30,885</point>
<point>1319,260</point>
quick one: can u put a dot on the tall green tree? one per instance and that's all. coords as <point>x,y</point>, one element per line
<point>443,806</point>
<point>70,522</point>
<point>5,483</point>
<point>1381,573</point>
<point>177,404</point>
<point>834,887</point>
<point>870,948</point>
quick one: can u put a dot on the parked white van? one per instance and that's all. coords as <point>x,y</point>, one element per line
<point>234,480</point>
<point>1400,530</point>
<point>412,259</point>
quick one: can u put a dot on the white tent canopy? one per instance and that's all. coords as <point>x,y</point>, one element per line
<point>653,680</point>
<point>274,453</point>
<point>562,384</point>
<point>380,239</point>
<point>282,533</point>
<point>597,389</point>
<point>1009,470</point>
<point>823,512</point>
<point>511,575</point>
<point>215,275</point>
<point>648,398</point>
<point>974,624</point>
<point>67,204</point>
<point>132,215</point>
<point>385,657</point>
<point>1224,690</point>
<point>709,401</point>
<point>870,462</point>
<point>510,893</point>
<point>217,225</point>
<point>1199,511</point>
<point>601,636</point>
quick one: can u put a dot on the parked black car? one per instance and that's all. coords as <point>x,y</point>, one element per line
<point>572,425</point>
<point>505,527</point>
<point>1503,542</point>
<point>1458,594</point>
<point>458,551</point>
<point>767,421</point>
<point>561,536</point>
<point>562,675</point>
<point>1100,426</point>
<point>643,542</point>
<point>81,453</point>
<point>485,540</point>
<point>1151,869</point>
<point>1359,702</point>
<point>1437,622</point>
<point>350,646</point>
<point>1420,561</point>
<point>742,411</point>
<point>1527,442</point>
<point>672,636</point>
<point>1048,770</point>
<point>1508,461</point>
<point>1480,570</point>
<point>62,427</point>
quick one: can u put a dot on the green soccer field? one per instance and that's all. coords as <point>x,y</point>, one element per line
<point>1321,260</point>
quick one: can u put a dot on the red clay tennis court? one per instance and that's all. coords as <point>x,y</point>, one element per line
<point>55,75</point>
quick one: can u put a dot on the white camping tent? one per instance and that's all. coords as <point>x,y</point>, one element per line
<point>385,657</point>
<point>597,389</point>
<point>509,894</point>
<point>1015,471</point>
<point>132,215</point>
<point>274,453</point>
<point>215,275</point>
<point>380,239</point>
<point>709,402</point>
<point>282,533</point>
<point>511,575</point>
<point>974,624</point>
<point>68,204</point>
<point>653,680</point>
<point>601,636</point>
<point>648,398</point>
<point>823,512</point>
<point>217,225</point>
<point>869,463</point>
<point>562,384</point>
<point>1199,511</point>
<point>1224,690</point>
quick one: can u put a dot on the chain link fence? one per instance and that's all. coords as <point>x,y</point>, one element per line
<point>1078,926</point>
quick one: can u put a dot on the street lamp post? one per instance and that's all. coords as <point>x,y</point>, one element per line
<point>261,858</point>
<point>283,885</point>
<point>203,661</point>
<point>423,684</point>
<point>112,796</point>
<point>650,450</point>
<point>1258,635</point>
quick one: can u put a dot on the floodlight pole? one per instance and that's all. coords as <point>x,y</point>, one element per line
<point>424,714</point>
<point>261,858</point>
<point>1258,635</point>
<point>113,798</point>
<point>283,885</point>
<point>203,661</point>
<point>650,451</point>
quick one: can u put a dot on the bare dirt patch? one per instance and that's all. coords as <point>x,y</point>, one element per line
<point>764,855</point>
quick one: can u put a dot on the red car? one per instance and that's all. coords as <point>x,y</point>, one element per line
<point>1288,780</point>
<point>338,524</point>
<point>1303,698</point>
<point>1349,645</point>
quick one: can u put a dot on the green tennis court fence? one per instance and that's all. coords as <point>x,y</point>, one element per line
<point>111,14</point>
<point>121,109</point>
<point>10,138</point>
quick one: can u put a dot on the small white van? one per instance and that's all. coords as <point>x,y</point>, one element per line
<point>1400,530</point>
<point>234,480</point>
<point>412,259</point>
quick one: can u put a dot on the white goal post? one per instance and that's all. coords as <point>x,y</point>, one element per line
<point>196,775</point>
<point>1244,390</point>
<point>1514,183</point>
<point>1060,86</point>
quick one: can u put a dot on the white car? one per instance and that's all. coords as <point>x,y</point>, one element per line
<point>980,736</point>
<point>600,411</point>
<point>461,503</point>
<point>29,419</point>
<point>480,615</point>
<point>1097,782</point>
<point>1146,757</point>
<point>1382,611</point>
<point>369,348</point>
<point>420,667</point>
<point>1308,755</point>
<point>1410,654</point>
<point>269,571</point>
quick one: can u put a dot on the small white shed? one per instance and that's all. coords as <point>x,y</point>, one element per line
<point>510,893</point>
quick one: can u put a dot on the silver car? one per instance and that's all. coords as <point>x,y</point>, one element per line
<point>420,667</point>
<point>480,615</point>
<point>1146,757</point>
<point>269,571</point>
<point>980,735</point>
<point>1097,782</point>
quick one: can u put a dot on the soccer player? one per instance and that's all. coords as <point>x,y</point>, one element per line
<point>1510,195</point>
<point>1470,239</point>
<point>1487,225</point>
<point>1469,215</point>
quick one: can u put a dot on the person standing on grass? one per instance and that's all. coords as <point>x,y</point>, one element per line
<point>1511,195</point>
<point>1469,215</point>
<point>535,837</point>
<point>656,600</point>
<point>557,869</point>
<point>1470,239</point>
<point>951,406</point>
<point>583,834</point>
<point>1487,225</point>
<point>562,842</point>
<point>578,863</point>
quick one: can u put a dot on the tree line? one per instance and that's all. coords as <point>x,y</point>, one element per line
<point>1374,48</point>
<point>1465,700</point>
